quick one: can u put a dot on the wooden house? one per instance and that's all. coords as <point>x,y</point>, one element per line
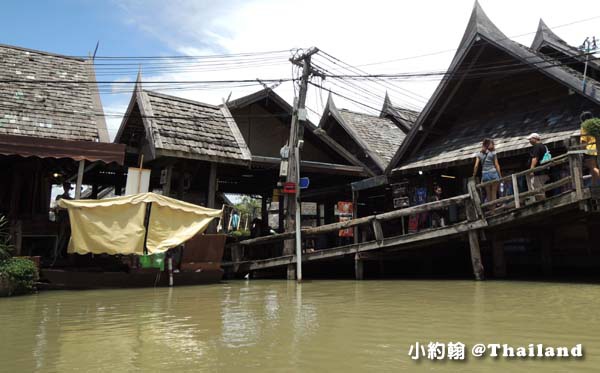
<point>197,150</point>
<point>52,130</point>
<point>499,89</point>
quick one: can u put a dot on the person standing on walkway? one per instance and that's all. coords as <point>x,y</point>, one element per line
<point>536,180</point>
<point>590,159</point>
<point>490,168</point>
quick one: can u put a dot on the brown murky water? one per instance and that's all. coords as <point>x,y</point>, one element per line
<point>278,326</point>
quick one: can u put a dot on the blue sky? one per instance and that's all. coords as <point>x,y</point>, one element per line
<point>358,32</point>
<point>73,27</point>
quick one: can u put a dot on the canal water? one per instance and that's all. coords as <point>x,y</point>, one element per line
<point>278,326</point>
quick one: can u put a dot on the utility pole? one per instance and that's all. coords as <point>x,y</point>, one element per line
<point>588,47</point>
<point>292,201</point>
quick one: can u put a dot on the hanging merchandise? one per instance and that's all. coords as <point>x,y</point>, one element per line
<point>345,213</point>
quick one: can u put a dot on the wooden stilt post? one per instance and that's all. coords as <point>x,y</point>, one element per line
<point>377,230</point>
<point>79,179</point>
<point>476,255</point>
<point>166,189</point>
<point>212,194</point>
<point>358,267</point>
<point>237,255</point>
<point>575,167</point>
<point>499,262</point>
<point>474,212</point>
<point>355,215</point>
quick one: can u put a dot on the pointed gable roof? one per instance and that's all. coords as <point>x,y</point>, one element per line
<point>183,128</point>
<point>550,44</point>
<point>378,137</point>
<point>270,94</point>
<point>481,31</point>
<point>404,118</point>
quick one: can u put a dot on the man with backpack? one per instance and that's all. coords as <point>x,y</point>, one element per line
<point>538,154</point>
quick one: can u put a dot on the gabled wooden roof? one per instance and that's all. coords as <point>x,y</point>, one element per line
<point>378,137</point>
<point>183,128</point>
<point>403,117</point>
<point>49,96</point>
<point>550,44</point>
<point>481,31</point>
<point>270,94</point>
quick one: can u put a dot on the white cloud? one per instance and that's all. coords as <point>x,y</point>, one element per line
<point>358,32</point>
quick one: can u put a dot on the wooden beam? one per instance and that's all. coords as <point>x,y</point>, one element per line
<point>557,184</point>
<point>212,195</point>
<point>79,179</point>
<point>377,230</point>
<point>515,185</point>
<point>404,242</point>
<point>552,204</point>
<point>212,186</point>
<point>575,167</point>
<point>311,166</point>
<point>476,255</point>
<point>166,189</point>
<point>341,150</point>
<point>369,183</point>
<point>307,232</point>
<point>475,197</point>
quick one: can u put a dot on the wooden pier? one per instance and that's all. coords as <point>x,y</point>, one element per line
<point>488,219</point>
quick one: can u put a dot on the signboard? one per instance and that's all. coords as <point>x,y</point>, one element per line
<point>304,182</point>
<point>345,213</point>
<point>289,188</point>
<point>136,183</point>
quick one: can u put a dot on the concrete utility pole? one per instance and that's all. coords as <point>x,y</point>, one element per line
<point>588,47</point>
<point>291,201</point>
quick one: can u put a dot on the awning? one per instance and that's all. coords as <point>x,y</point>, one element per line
<point>116,225</point>
<point>26,146</point>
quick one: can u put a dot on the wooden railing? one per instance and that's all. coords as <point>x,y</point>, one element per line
<point>476,213</point>
<point>517,198</point>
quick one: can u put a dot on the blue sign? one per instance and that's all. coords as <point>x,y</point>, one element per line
<point>304,182</point>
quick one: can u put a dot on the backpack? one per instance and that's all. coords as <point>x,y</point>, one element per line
<point>547,156</point>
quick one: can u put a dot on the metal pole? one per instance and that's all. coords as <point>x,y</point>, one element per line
<point>296,129</point>
<point>79,179</point>
<point>298,225</point>
<point>587,58</point>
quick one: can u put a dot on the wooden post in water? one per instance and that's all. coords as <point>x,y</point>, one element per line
<point>472,215</point>
<point>358,267</point>
<point>212,194</point>
<point>498,253</point>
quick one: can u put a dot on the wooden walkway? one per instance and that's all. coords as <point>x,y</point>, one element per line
<point>517,208</point>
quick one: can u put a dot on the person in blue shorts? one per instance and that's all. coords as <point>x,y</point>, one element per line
<point>490,168</point>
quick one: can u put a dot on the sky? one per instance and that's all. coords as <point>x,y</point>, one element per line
<point>360,33</point>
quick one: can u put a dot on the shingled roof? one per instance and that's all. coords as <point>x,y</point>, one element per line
<point>378,137</point>
<point>403,117</point>
<point>481,31</point>
<point>183,128</point>
<point>49,96</point>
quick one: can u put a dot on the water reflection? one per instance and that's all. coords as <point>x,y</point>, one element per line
<point>282,326</point>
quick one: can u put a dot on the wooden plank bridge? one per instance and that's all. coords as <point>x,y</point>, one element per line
<point>517,208</point>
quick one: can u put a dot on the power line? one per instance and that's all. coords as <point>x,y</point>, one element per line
<point>456,49</point>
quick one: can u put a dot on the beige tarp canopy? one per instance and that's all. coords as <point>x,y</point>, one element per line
<point>116,225</point>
